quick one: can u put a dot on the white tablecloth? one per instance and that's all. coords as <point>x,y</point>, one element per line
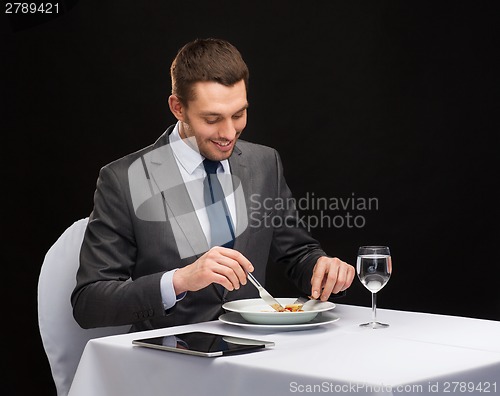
<point>419,353</point>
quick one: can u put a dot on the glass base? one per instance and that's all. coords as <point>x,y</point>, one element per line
<point>374,325</point>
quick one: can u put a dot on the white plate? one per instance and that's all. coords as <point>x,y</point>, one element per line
<point>235,319</point>
<point>255,310</point>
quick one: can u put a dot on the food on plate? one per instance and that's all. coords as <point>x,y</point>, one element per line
<point>293,308</point>
<point>277,307</point>
<point>289,308</point>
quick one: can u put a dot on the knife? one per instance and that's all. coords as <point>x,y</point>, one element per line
<point>264,294</point>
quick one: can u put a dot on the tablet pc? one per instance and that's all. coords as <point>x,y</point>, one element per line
<point>203,344</point>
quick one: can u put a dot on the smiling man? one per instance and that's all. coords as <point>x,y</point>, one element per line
<point>171,237</point>
<point>215,118</point>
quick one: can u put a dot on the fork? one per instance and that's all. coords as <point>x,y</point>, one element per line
<point>308,303</point>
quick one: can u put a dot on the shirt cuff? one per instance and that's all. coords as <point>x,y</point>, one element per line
<point>168,296</point>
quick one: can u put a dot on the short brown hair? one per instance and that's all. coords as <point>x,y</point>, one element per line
<point>206,60</point>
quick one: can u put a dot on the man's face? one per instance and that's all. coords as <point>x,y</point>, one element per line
<point>215,118</point>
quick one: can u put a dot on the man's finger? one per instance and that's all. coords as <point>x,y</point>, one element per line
<point>318,278</point>
<point>235,255</point>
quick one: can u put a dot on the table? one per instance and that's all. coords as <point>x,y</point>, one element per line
<point>419,353</point>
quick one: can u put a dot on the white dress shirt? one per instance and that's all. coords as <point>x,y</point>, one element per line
<point>190,163</point>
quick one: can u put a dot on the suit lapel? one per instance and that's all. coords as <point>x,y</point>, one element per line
<point>187,230</point>
<point>242,183</point>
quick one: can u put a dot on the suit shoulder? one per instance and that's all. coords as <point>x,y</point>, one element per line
<point>128,159</point>
<point>125,161</point>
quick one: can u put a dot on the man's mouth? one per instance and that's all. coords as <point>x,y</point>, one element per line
<point>223,145</point>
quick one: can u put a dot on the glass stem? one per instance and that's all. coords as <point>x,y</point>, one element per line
<point>374,307</point>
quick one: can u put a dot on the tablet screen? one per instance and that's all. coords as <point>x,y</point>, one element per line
<point>203,344</point>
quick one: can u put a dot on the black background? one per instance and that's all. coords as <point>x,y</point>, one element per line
<point>391,100</point>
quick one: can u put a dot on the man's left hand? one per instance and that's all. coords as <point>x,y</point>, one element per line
<point>330,276</point>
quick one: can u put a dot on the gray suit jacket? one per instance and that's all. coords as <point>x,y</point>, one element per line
<point>143,224</point>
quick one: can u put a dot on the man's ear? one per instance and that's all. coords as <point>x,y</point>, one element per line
<point>176,107</point>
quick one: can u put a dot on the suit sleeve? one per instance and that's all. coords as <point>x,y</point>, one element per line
<point>104,294</point>
<point>292,245</point>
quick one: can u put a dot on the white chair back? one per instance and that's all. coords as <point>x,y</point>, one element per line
<point>63,339</point>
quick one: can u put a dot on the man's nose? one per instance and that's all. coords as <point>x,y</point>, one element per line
<point>227,130</point>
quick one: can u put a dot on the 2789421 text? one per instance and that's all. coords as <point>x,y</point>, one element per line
<point>32,8</point>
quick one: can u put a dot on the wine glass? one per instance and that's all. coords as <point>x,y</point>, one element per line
<point>374,267</point>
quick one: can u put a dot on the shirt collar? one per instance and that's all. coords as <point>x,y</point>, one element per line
<point>189,158</point>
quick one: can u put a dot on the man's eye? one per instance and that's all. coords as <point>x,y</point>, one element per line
<point>211,120</point>
<point>236,116</point>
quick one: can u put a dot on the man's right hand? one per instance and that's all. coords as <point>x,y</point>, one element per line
<point>224,266</point>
